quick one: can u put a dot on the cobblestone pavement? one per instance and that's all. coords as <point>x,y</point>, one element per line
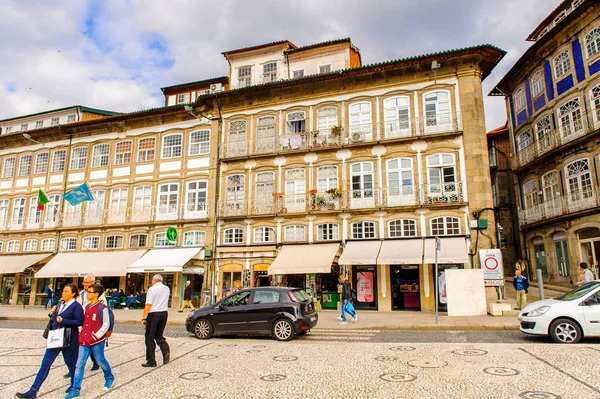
<point>264,368</point>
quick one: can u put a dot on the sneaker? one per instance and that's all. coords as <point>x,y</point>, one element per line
<point>31,394</point>
<point>125,308</point>
<point>180,311</point>
<point>72,395</point>
<point>339,318</point>
<point>108,384</point>
<point>95,367</point>
<point>343,322</point>
<point>148,364</point>
<point>355,318</point>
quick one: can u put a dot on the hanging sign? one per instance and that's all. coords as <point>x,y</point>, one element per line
<point>171,236</point>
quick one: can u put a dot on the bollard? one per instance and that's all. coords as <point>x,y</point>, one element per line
<point>540,284</point>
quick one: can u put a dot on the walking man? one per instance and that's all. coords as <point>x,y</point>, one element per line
<point>347,301</point>
<point>154,321</point>
<point>88,281</point>
<point>49,297</point>
<point>521,284</point>
<point>585,273</point>
<point>187,297</point>
<point>92,339</point>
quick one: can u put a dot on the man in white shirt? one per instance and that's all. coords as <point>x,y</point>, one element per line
<point>586,274</point>
<point>154,321</point>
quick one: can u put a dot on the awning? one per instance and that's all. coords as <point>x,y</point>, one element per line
<point>10,264</point>
<point>401,252</point>
<point>168,260</point>
<point>360,253</point>
<point>100,264</point>
<point>302,259</point>
<point>452,250</point>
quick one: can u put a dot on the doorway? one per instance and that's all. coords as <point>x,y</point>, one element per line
<point>231,281</point>
<point>8,284</point>
<point>406,293</point>
<point>540,259</point>
<point>364,281</point>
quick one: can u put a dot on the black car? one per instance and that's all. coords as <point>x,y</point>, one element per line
<point>277,311</point>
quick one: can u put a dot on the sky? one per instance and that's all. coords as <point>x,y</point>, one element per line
<point>117,54</point>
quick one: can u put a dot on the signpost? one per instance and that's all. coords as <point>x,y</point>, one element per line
<point>493,269</point>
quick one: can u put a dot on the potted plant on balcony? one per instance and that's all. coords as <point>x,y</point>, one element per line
<point>277,195</point>
<point>335,192</point>
<point>336,131</point>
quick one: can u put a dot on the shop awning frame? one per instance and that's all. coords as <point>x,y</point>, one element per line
<point>401,252</point>
<point>304,259</point>
<point>100,264</point>
<point>360,252</point>
<point>163,260</point>
<point>452,250</point>
<point>12,264</point>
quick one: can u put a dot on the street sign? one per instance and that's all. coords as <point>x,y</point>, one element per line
<point>491,263</point>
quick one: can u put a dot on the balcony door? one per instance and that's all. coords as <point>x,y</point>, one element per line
<point>438,116</point>
<point>295,190</point>
<point>397,117</point>
<point>168,197</point>
<point>400,184</point>
<point>195,206</point>
<point>579,183</point>
<point>263,196</point>
<point>362,195</point>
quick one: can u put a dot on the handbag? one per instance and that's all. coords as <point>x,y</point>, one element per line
<point>349,307</point>
<point>47,329</point>
<point>59,338</point>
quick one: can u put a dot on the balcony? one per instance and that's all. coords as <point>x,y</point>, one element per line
<point>346,200</point>
<point>334,138</point>
<point>76,218</point>
<point>574,202</point>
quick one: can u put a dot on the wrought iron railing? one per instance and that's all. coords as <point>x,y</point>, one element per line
<point>574,201</point>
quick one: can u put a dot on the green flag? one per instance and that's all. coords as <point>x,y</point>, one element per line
<point>42,200</point>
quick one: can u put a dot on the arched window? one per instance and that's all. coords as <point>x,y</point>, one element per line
<point>295,233</point>
<point>90,243</point>
<point>550,186</point>
<point>570,120</point>
<point>560,17</point>
<point>48,244</point>
<point>264,234</point>
<point>328,232</point>
<point>233,236</point>
<point>235,194</point>
<point>295,122</point>
<point>537,84</point>
<point>263,195</point>
<point>579,180</point>
<point>327,178</point>
<point>138,240</point>
<point>524,140</point>
<point>326,119</point>
<point>160,240</point>
<point>363,230</point>
<point>402,228</point>
<point>172,146</point>
<point>592,41</point>
<point>595,100</point>
<point>114,242</point>
<point>543,131</point>
<point>530,193</point>
<point>265,135</point>
<point>445,226</point>
<point>30,245</point>
<point>519,100</point>
<point>236,141</point>
<point>562,64</point>
<point>13,246</point>
<point>68,244</point>
<point>194,238</point>
<point>396,112</point>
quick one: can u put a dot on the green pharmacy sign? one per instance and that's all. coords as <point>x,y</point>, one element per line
<point>171,236</point>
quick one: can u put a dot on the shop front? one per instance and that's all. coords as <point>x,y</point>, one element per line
<point>18,286</point>
<point>260,275</point>
<point>362,257</point>
<point>589,244</point>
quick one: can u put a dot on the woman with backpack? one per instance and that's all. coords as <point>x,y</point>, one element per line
<point>92,339</point>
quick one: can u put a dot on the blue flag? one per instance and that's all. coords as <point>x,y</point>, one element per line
<point>79,194</point>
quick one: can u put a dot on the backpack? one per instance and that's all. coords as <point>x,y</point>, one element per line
<point>111,316</point>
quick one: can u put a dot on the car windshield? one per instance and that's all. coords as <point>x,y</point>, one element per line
<point>579,292</point>
<point>300,295</point>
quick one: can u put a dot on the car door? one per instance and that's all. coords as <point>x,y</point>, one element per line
<point>230,316</point>
<point>264,304</point>
<point>591,312</point>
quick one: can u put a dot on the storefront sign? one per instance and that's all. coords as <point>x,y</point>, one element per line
<point>491,264</point>
<point>365,287</point>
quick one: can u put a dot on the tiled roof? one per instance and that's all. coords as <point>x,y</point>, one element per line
<point>533,35</point>
<point>290,44</point>
<point>499,130</point>
<point>322,44</point>
<point>85,109</point>
<point>179,85</point>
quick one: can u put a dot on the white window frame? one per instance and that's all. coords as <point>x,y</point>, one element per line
<point>264,234</point>
<point>402,228</point>
<point>400,181</point>
<point>118,201</point>
<point>13,246</point>
<point>531,193</point>
<point>562,64</point>
<point>174,149</point>
<point>519,99</point>
<point>362,180</point>
<point>115,241</point>
<point>445,184</point>
<point>524,140</point>
<point>39,124</point>
<point>78,158</point>
<point>196,197</point>
<point>360,115</point>
<point>295,123</point>
<point>194,238</point>
<point>41,163</point>
<point>59,158</point>
<point>442,119</point>
<point>327,178</point>
<point>30,246</point>
<point>90,243</point>
<point>199,142</point>
<point>24,165</point>
<point>24,127</point>
<point>448,223</point>
<point>325,68</point>
<point>8,171</point>
<point>136,240</point>
<point>595,103</point>
<point>142,197</point>
<point>168,201</point>
<point>245,76</point>
<point>101,155</point>
<point>296,232</point>
<point>95,209</point>
<point>397,117</point>
<point>233,235</point>
<point>146,154</point>
<point>364,230</point>
<point>71,118</point>
<point>183,98</point>
<point>592,42</point>
<point>18,211</point>
<point>328,232</point>
<point>537,84</point>
<point>160,240</point>
<point>68,243</point>
<point>4,205</point>
<point>571,119</point>
<point>55,121</point>
<point>34,216</point>
<point>269,72</point>
<point>48,244</point>
<point>298,73</point>
<point>123,157</point>
<point>581,180</point>
<point>551,185</point>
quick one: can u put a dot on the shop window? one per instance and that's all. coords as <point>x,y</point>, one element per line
<point>445,226</point>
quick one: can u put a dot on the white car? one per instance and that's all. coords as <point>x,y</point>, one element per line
<point>566,319</point>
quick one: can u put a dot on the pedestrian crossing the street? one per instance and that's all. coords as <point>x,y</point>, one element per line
<point>339,335</point>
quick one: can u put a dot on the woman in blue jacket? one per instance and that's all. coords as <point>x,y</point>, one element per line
<point>69,314</point>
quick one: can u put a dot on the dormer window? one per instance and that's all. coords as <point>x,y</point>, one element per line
<point>325,68</point>
<point>269,72</point>
<point>244,76</point>
<point>560,17</point>
<point>183,98</point>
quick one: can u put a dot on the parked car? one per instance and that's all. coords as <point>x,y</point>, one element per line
<point>276,311</point>
<point>566,319</point>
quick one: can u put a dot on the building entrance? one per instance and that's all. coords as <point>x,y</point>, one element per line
<point>364,281</point>
<point>405,289</point>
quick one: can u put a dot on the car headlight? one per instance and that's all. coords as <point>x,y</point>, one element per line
<point>538,311</point>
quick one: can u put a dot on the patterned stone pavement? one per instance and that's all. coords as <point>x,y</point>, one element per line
<point>305,368</point>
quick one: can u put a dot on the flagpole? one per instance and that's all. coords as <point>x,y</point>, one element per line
<point>62,197</point>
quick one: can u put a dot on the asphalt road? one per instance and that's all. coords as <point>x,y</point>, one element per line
<point>379,336</point>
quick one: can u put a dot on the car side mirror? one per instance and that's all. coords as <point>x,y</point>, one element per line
<point>222,307</point>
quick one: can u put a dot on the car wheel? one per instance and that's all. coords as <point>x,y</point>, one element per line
<point>203,329</point>
<point>283,330</point>
<point>565,331</point>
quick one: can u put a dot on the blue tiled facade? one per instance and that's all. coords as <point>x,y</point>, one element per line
<point>539,102</point>
<point>522,117</point>
<point>528,97</point>
<point>564,84</point>
<point>578,59</point>
<point>594,68</point>
<point>548,79</point>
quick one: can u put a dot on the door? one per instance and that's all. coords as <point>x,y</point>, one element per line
<point>264,304</point>
<point>231,317</point>
<point>591,311</point>
<point>8,284</point>
<point>562,258</point>
<point>404,280</point>
<point>400,189</point>
<point>540,259</point>
<point>364,279</point>
<point>362,185</point>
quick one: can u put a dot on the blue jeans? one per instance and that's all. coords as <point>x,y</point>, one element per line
<point>84,353</point>
<point>69,355</point>
<point>48,303</point>
<point>345,310</point>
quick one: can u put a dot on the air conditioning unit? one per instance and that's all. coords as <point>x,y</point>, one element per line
<point>216,87</point>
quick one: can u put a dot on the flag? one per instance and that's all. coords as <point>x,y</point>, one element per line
<point>78,195</point>
<point>42,200</point>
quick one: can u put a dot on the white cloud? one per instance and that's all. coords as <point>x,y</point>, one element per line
<point>53,59</point>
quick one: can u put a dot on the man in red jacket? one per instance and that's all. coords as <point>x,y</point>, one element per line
<point>92,339</point>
